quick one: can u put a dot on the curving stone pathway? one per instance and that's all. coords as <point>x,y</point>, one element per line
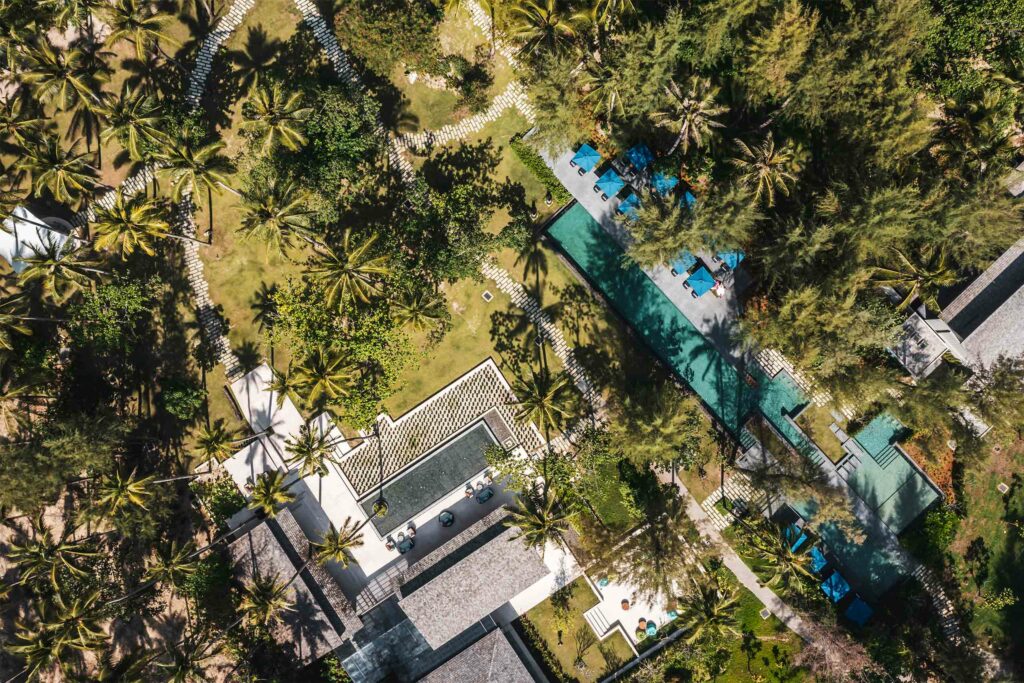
<point>513,96</point>
<point>311,16</point>
<point>208,50</point>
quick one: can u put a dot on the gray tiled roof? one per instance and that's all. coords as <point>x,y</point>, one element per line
<point>1001,334</point>
<point>305,628</point>
<point>483,391</point>
<point>987,292</point>
<point>489,660</point>
<point>473,587</point>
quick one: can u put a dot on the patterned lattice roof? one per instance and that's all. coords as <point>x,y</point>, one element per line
<point>481,390</point>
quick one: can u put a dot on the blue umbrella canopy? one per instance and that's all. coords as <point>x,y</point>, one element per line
<point>610,183</point>
<point>586,157</point>
<point>640,156</point>
<point>701,281</point>
<point>629,205</point>
<point>835,587</point>
<point>684,262</point>
<point>663,184</point>
<point>731,258</point>
<point>859,611</point>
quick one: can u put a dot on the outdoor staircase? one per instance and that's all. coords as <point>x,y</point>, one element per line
<point>848,466</point>
<point>747,440</point>
<point>598,621</point>
<point>886,456</point>
<point>948,619</point>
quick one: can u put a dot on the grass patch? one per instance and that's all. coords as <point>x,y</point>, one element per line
<point>548,622</point>
<point>987,555</point>
<point>815,422</point>
<point>767,652</point>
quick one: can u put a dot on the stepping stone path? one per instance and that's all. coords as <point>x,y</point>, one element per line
<point>514,96</point>
<point>325,36</point>
<point>948,618</point>
<point>737,486</point>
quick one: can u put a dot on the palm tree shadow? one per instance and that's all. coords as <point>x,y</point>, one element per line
<point>256,57</point>
<point>249,355</point>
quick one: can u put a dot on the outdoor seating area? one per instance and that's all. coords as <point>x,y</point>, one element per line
<point>837,589</point>
<point>634,169</point>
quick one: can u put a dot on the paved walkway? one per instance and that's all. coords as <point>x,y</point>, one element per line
<point>709,530</point>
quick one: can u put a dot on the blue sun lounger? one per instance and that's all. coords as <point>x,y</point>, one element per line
<point>835,587</point>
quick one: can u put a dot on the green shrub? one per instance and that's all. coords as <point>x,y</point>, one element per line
<point>221,498</point>
<point>533,161</point>
<point>183,400</point>
<point>209,588</point>
<point>331,670</point>
<point>548,660</point>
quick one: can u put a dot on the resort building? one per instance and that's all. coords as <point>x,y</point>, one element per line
<point>440,576</point>
<point>24,235</point>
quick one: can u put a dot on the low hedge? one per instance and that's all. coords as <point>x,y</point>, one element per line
<point>533,161</point>
<point>552,667</point>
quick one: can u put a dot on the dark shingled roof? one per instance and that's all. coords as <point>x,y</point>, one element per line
<point>489,660</point>
<point>307,628</point>
<point>473,587</point>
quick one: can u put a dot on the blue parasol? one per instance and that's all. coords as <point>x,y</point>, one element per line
<point>609,184</point>
<point>818,561</point>
<point>663,184</point>
<point>731,258</point>
<point>859,611</point>
<point>586,158</point>
<point>629,205</point>
<point>689,200</point>
<point>683,263</point>
<point>701,281</point>
<point>640,156</point>
<point>835,587</point>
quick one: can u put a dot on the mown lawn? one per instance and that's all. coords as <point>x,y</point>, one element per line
<point>988,552</point>
<point>599,659</point>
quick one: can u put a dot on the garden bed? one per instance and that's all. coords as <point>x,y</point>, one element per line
<point>816,422</point>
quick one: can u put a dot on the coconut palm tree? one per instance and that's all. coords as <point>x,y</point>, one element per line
<point>12,321</point>
<point>350,273</point>
<point>13,403</point>
<point>325,374</point>
<point>774,550</point>
<point>540,518</point>
<point>134,118</point>
<point>691,112</point>
<point>68,13</point>
<point>284,383</point>
<point>63,172</point>
<point>60,274</point>
<point>546,399</point>
<point>264,599</point>
<point>17,124</point>
<point>193,166</point>
<point>215,441</point>
<point>116,493</point>
<point>766,168</point>
<point>311,450</point>
<point>922,275</point>
<point>337,544</point>
<point>974,134</point>
<point>64,79</point>
<point>709,610</point>
<point>140,23</point>
<point>127,224</point>
<point>64,627</point>
<point>131,667</point>
<point>275,213</point>
<point>272,117</point>
<point>184,663</point>
<point>41,557</point>
<point>541,24</point>
<point>270,493</point>
<point>420,309</point>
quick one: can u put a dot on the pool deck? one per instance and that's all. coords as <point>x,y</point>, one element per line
<point>715,317</point>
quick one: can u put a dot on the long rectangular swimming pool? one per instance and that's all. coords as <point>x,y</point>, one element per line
<point>435,475</point>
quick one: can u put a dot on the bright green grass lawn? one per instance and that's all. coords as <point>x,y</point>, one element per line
<point>583,598</point>
<point>988,553</point>
<point>771,650</point>
<point>429,108</point>
<point>815,421</point>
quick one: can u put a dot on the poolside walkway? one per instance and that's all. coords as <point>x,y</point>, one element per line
<point>715,317</point>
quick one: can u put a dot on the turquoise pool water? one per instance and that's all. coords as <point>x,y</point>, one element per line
<point>674,339</point>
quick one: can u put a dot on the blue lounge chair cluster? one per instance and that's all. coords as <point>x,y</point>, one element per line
<point>835,586</point>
